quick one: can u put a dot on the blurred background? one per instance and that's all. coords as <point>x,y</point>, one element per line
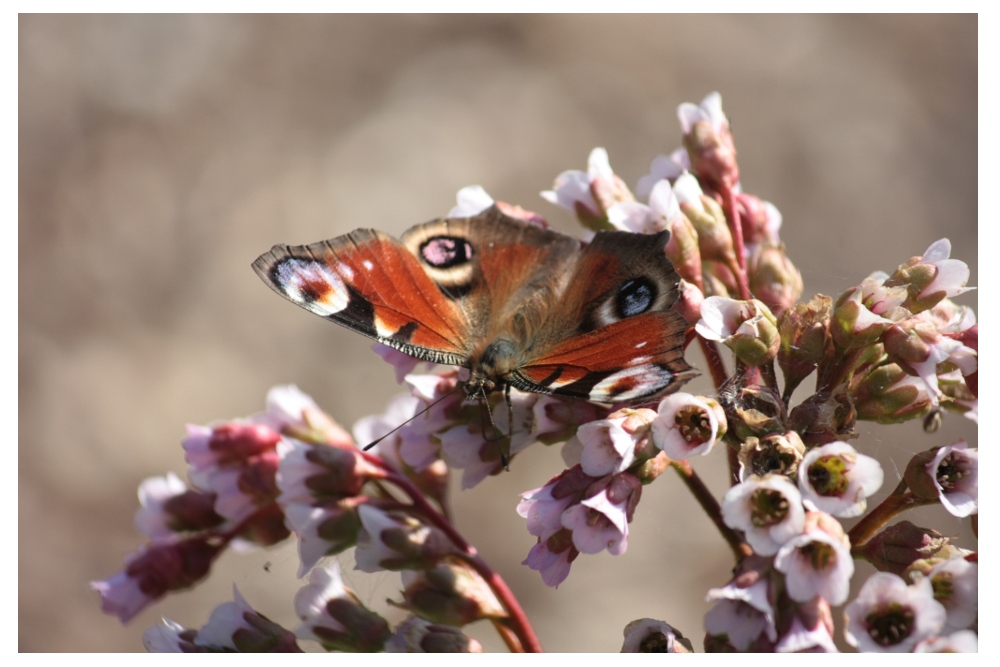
<point>159,155</point>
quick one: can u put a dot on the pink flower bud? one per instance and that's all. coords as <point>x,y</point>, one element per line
<point>152,572</point>
<point>450,594</point>
<point>897,547</point>
<point>415,635</point>
<point>333,615</point>
<point>709,142</point>
<point>235,626</point>
<point>396,541</point>
<point>773,278</point>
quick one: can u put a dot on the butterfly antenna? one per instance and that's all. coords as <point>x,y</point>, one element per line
<point>375,442</point>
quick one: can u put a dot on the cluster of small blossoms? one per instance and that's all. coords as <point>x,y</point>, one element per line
<point>893,348</point>
<point>293,471</point>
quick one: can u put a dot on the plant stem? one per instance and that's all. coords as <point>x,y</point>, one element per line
<point>736,229</point>
<point>711,506</point>
<point>897,502</point>
<point>517,622</point>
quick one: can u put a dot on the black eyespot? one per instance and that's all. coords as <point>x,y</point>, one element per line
<point>444,252</point>
<point>635,297</point>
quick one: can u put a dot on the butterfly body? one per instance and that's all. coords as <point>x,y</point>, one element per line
<point>518,305</point>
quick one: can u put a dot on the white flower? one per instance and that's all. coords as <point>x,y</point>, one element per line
<point>663,167</point>
<point>838,480</point>
<point>472,200</point>
<point>956,586</point>
<point>889,616</point>
<point>955,470</point>
<point>963,641</point>
<point>768,509</point>
<point>741,614</point>
<point>167,637</point>
<point>816,563</point>
<point>607,447</point>
<point>152,519</point>
<point>951,275</point>
<point>686,425</point>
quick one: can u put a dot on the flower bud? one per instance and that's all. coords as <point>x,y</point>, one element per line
<point>778,453</point>
<point>759,219</point>
<point>719,280</point>
<point>682,250</point>
<point>773,278</point>
<point>888,395</point>
<point>756,411</point>
<point>715,242</point>
<point>709,141</point>
<point>235,626</point>
<point>823,418</point>
<point>931,277</point>
<point>897,547</point>
<point>689,301</point>
<point>333,615</point>
<point>395,541</point>
<point>415,635</point>
<point>746,327</point>
<point>450,594</point>
<point>805,338</point>
<point>862,314</point>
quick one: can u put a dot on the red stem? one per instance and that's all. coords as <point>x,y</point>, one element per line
<point>899,501</point>
<point>736,229</point>
<point>518,621</point>
<point>711,507</point>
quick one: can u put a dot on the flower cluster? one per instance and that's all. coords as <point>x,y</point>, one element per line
<point>892,348</point>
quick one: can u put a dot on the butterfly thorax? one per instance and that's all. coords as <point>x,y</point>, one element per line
<point>491,366</point>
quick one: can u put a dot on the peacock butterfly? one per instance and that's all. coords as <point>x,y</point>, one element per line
<point>518,305</point>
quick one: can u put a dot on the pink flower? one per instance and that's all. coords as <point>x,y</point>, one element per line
<point>403,363</point>
<point>950,275</point>
<point>709,142</point>
<point>955,470</point>
<point>153,571</point>
<point>963,641</point>
<point>395,541</point>
<point>768,509</point>
<point>415,635</point>
<point>170,637</point>
<point>472,200</point>
<point>663,167</point>
<point>332,615</point>
<point>836,479</point>
<point>889,616</point>
<point>235,626</point>
<point>862,314</point>
<point>917,345</point>
<point>817,562</point>
<point>660,214</point>
<point>802,639</point>
<point>687,425</point>
<point>552,558</point>
<point>748,328</point>
<point>322,529</point>
<point>609,444</point>
<point>741,613</point>
<point>589,195</point>
<point>956,586</point>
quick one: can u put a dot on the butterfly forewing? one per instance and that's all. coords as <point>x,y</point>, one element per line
<point>370,282</point>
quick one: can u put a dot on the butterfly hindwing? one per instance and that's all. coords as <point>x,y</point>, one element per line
<point>616,336</point>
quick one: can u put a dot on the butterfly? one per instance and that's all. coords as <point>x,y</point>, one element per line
<point>518,305</point>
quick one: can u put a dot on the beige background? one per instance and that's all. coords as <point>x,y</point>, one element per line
<point>158,156</point>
